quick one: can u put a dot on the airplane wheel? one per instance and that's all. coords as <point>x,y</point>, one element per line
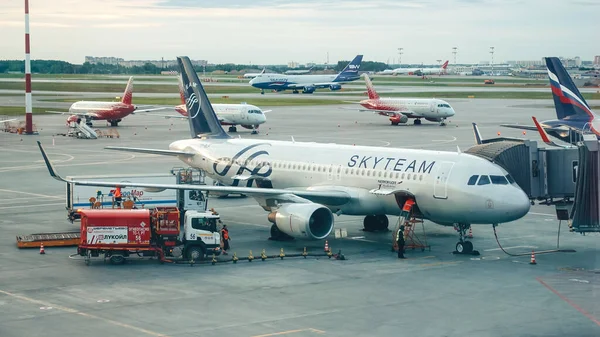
<point>370,223</point>
<point>382,222</point>
<point>417,122</point>
<point>232,129</point>
<point>464,247</point>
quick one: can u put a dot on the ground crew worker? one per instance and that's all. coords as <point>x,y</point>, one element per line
<point>400,241</point>
<point>225,239</point>
<point>118,196</point>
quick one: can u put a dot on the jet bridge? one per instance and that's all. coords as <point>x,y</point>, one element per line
<point>564,177</point>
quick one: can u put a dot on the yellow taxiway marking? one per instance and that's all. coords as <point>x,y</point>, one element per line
<point>290,332</point>
<point>77,312</point>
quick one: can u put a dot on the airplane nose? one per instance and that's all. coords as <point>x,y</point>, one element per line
<point>516,205</point>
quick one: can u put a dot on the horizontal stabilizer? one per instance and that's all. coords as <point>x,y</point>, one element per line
<point>151,151</point>
<point>518,126</point>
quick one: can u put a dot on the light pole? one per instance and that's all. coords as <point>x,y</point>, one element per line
<point>454,50</point>
<point>492,52</point>
<point>400,52</point>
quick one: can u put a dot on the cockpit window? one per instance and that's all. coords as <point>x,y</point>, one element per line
<point>484,180</point>
<point>499,180</point>
<point>443,106</point>
<point>258,112</point>
<point>473,180</point>
<point>510,179</point>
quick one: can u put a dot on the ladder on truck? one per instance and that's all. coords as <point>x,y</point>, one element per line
<point>82,130</point>
<point>48,239</point>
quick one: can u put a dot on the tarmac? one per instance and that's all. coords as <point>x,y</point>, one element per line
<point>371,293</point>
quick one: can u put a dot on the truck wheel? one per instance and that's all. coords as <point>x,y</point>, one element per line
<point>117,259</point>
<point>196,253</point>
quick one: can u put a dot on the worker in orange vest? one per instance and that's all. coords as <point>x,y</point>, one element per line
<point>225,239</point>
<point>118,196</point>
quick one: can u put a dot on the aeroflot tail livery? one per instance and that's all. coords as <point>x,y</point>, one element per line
<point>572,111</point>
<point>302,185</point>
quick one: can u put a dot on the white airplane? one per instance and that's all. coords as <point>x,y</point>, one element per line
<point>423,71</point>
<point>308,83</point>
<point>246,115</point>
<point>253,75</point>
<point>302,185</point>
<point>399,110</point>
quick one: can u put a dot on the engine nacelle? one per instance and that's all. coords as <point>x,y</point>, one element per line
<point>335,87</point>
<point>399,119</point>
<point>311,221</point>
<point>309,89</point>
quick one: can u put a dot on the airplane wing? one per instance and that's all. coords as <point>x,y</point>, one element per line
<point>8,120</point>
<point>519,126</point>
<point>168,116</point>
<point>544,135</point>
<point>152,109</point>
<point>86,114</point>
<point>332,197</point>
<point>390,113</point>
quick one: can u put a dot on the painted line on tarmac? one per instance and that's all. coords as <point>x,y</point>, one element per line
<point>544,214</point>
<point>33,194</point>
<point>290,332</point>
<point>33,206</point>
<point>571,303</point>
<point>513,247</point>
<point>48,305</point>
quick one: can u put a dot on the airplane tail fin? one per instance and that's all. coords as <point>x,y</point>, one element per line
<point>370,89</point>
<point>128,93</point>
<point>202,117</point>
<point>445,65</point>
<point>568,101</point>
<point>350,72</point>
<point>181,93</point>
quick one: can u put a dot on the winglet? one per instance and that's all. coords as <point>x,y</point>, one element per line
<point>477,134</point>
<point>51,169</point>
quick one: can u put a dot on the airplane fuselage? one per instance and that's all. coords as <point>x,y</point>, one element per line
<point>438,181</point>
<point>233,114</point>
<point>283,82</point>
<point>101,110</point>
<point>429,108</point>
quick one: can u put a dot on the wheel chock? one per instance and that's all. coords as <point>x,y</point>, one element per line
<point>250,257</point>
<point>234,258</point>
<point>263,255</point>
<point>340,256</point>
<point>214,260</point>
<point>329,254</point>
<point>281,254</point>
<point>304,253</point>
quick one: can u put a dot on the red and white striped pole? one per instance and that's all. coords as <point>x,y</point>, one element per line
<point>28,108</point>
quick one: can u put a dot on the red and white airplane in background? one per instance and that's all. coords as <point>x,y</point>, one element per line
<point>113,112</point>
<point>417,71</point>
<point>399,110</point>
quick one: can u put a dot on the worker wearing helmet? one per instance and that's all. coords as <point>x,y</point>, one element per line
<point>401,241</point>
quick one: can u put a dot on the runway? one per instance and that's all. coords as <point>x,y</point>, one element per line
<point>372,293</point>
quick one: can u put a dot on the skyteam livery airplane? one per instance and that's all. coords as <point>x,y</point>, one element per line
<point>302,185</point>
<point>572,110</point>
<point>308,83</point>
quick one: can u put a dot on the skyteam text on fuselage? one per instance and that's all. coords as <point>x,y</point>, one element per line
<point>308,83</point>
<point>302,184</point>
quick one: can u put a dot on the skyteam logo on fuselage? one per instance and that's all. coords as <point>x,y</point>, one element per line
<point>250,165</point>
<point>391,163</point>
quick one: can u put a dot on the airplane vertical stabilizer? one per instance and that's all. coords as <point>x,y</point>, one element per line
<point>568,101</point>
<point>203,119</point>
<point>370,89</point>
<point>350,72</point>
<point>128,93</point>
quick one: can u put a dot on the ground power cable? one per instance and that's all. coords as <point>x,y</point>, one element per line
<point>528,253</point>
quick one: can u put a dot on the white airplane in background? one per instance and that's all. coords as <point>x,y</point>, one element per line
<point>246,115</point>
<point>415,71</point>
<point>302,184</point>
<point>253,75</point>
<point>308,83</point>
<point>8,120</point>
<point>399,110</point>
<point>112,112</point>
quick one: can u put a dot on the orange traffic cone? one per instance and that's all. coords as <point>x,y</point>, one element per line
<point>326,246</point>
<point>470,235</point>
<point>42,249</point>
<point>532,258</point>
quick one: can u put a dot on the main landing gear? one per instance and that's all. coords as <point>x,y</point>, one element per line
<point>232,129</point>
<point>417,122</point>
<point>463,246</point>
<point>374,223</point>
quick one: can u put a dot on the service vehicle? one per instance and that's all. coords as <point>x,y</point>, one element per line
<point>164,232</point>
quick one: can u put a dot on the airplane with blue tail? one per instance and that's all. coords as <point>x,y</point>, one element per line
<point>572,111</point>
<point>308,83</point>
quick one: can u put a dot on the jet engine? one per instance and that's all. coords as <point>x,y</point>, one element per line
<point>334,87</point>
<point>312,221</point>
<point>397,119</point>
<point>309,89</point>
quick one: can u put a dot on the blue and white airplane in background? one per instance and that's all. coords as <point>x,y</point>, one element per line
<point>572,111</point>
<point>308,83</point>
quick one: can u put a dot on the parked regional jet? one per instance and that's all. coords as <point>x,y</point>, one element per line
<point>572,111</point>
<point>420,71</point>
<point>308,83</point>
<point>399,110</point>
<point>112,112</point>
<point>302,184</point>
<point>246,115</point>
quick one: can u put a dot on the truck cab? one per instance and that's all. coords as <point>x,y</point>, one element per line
<point>200,234</point>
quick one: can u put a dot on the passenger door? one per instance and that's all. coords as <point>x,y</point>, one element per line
<point>440,187</point>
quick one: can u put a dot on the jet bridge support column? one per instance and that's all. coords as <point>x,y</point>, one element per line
<point>586,208</point>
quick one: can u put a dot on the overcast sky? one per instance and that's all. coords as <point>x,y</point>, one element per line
<point>277,31</point>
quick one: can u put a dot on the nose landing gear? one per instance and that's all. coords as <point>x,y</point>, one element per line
<point>463,246</point>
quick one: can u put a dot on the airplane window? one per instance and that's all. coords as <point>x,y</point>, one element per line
<point>380,173</point>
<point>402,175</point>
<point>362,172</point>
<point>499,180</point>
<point>420,177</point>
<point>369,173</point>
<point>330,169</point>
<point>398,174</point>
<point>408,176</point>
<point>339,169</point>
<point>510,179</point>
<point>346,172</point>
<point>415,177</point>
<point>385,174</point>
<point>304,167</point>
<point>351,171</point>
<point>473,180</point>
<point>483,180</point>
